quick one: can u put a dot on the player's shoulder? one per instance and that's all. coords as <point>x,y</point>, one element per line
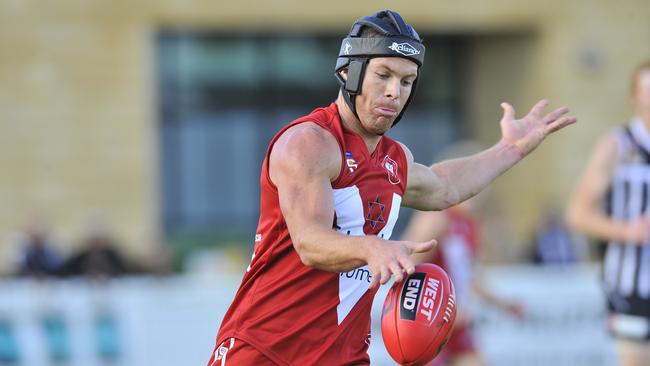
<point>407,152</point>
<point>307,144</point>
<point>612,140</point>
<point>307,136</point>
<point>613,146</point>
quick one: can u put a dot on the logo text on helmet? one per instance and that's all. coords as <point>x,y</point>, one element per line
<point>347,49</point>
<point>404,49</point>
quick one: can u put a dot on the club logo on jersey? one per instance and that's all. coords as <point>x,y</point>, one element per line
<point>404,49</point>
<point>221,352</point>
<point>350,162</point>
<point>375,213</point>
<point>391,167</point>
<point>258,238</point>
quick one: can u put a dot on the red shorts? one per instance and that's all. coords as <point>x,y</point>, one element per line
<point>461,341</point>
<point>237,352</point>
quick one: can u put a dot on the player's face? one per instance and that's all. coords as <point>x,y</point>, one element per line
<point>386,87</point>
<point>642,91</point>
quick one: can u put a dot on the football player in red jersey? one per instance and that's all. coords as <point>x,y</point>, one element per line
<point>331,188</point>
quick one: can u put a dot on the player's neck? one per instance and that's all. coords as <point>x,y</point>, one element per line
<point>352,123</point>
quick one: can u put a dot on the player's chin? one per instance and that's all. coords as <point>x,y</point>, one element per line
<point>383,124</point>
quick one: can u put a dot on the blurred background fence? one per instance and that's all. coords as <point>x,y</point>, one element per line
<point>172,321</point>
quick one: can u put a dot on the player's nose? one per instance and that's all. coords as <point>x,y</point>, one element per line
<point>392,90</point>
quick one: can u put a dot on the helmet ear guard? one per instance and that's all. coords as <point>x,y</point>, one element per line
<point>397,39</point>
<point>351,86</point>
<point>356,69</point>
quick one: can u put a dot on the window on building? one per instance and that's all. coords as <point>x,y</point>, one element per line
<point>221,98</point>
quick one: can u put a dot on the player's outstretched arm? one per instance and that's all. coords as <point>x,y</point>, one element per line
<point>450,182</point>
<point>303,163</point>
<point>584,211</point>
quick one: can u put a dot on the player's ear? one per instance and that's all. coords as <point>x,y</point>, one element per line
<point>344,73</point>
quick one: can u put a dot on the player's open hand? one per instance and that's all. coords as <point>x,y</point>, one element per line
<point>393,258</point>
<point>526,133</point>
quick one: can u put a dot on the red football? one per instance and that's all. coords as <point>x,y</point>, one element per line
<point>418,315</point>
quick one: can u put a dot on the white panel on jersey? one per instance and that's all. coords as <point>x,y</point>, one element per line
<point>628,267</point>
<point>614,250</point>
<point>349,211</point>
<point>350,220</point>
<point>643,284</point>
<point>352,286</point>
<point>387,231</point>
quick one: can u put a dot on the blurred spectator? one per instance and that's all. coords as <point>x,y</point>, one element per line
<point>37,257</point>
<point>555,243</point>
<point>98,257</point>
<point>159,262</point>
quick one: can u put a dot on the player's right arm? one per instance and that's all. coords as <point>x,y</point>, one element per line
<point>584,211</point>
<point>302,164</point>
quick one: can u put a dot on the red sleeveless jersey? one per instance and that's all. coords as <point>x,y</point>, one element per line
<point>297,315</point>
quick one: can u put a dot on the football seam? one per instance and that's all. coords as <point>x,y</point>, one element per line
<point>399,341</point>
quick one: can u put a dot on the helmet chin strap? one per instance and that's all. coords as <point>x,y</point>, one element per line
<point>351,85</point>
<point>350,101</point>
